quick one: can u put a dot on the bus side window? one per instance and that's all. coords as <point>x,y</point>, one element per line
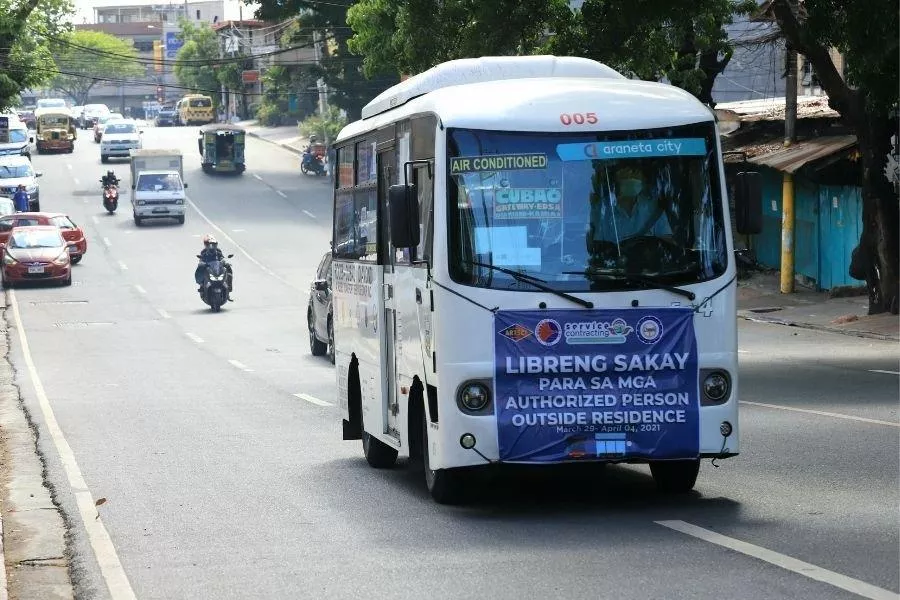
<point>425,186</point>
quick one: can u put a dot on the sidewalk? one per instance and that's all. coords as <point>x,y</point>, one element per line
<point>760,299</point>
<point>286,136</point>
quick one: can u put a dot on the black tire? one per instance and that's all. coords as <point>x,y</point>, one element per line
<point>316,347</point>
<point>180,220</point>
<point>77,259</point>
<point>446,486</point>
<point>104,158</point>
<point>137,220</point>
<point>68,280</point>
<point>330,344</point>
<point>378,454</point>
<point>675,476</point>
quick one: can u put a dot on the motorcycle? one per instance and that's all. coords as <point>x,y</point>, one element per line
<point>312,163</point>
<point>110,198</point>
<point>214,289</point>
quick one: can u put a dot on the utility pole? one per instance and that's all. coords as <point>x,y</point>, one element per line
<point>788,216</point>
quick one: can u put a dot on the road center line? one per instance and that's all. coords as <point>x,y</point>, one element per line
<point>106,242</point>
<point>140,289</point>
<point>75,180</point>
<point>257,176</point>
<point>885,372</point>
<point>163,313</point>
<point>309,214</point>
<point>238,364</point>
<point>822,413</point>
<point>95,219</point>
<point>69,166</point>
<point>313,400</point>
<point>241,249</point>
<point>123,266</point>
<point>280,193</point>
<point>110,567</point>
<point>854,586</point>
<point>194,337</point>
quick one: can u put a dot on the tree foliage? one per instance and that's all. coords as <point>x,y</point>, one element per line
<point>85,58</point>
<point>865,32</point>
<point>411,36</point>
<point>27,32</point>
<point>196,59</point>
<point>342,71</point>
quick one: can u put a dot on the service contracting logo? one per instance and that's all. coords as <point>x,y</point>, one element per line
<point>650,329</point>
<point>548,332</point>
<point>598,332</point>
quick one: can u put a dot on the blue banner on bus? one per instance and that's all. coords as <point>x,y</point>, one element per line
<point>596,385</point>
<point>632,149</point>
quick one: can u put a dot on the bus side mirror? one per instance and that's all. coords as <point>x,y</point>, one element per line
<point>404,201</point>
<point>748,203</point>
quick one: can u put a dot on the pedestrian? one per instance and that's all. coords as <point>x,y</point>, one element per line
<point>21,200</point>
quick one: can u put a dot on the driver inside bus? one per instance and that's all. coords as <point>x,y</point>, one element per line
<point>630,209</point>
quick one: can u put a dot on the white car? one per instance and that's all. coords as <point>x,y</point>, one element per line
<point>16,170</point>
<point>119,138</point>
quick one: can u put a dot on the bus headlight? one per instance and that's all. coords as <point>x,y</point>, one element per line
<point>716,387</point>
<point>474,396</point>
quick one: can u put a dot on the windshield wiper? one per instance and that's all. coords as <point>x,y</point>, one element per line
<point>633,278</point>
<point>535,281</point>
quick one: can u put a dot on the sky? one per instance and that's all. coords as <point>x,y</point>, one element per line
<point>84,9</point>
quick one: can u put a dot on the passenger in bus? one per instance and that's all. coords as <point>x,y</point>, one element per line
<point>629,209</point>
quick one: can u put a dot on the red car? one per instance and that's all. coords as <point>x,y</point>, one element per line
<point>70,231</point>
<point>36,253</point>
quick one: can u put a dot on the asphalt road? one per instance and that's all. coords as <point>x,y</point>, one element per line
<point>221,483</point>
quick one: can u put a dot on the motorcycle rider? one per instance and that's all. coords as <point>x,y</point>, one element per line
<point>210,253</point>
<point>21,200</point>
<point>110,179</point>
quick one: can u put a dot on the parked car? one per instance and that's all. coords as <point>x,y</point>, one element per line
<point>319,313</point>
<point>38,253</point>
<point>17,170</point>
<point>101,122</point>
<point>119,138</point>
<point>71,232</point>
<point>166,117</point>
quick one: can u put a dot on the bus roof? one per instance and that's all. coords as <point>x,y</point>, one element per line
<point>536,103</point>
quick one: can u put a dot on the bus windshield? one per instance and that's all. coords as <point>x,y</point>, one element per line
<point>585,212</point>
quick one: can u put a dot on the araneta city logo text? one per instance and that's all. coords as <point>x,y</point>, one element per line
<point>597,332</point>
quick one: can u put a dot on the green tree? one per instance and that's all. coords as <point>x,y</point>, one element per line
<point>342,71</point>
<point>27,31</point>
<point>410,36</point>
<point>683,41</point>
<point>325,127</point>
<point>197,61</point>
<point>865,32</point>
<point>86,58</point>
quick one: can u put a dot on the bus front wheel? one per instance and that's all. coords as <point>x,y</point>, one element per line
<point>378,454</point>
<point>675,476</point>
<point>446,486</point>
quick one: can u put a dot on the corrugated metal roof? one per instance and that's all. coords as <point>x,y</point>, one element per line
<point>773,109</point>
<point>793,158</point>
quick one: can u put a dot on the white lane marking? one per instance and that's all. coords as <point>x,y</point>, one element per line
<point>128,232</point>
<point>75,180</point>
<point>95,219</point>
<point>123,266</point>
<point>241,248</point>
<point>238,230</point>
<point>854,586</point>
<point>106,242</point>
<point>69,166</point>
<point>743,352</point>
<point>162,312</point>
<point>313,400</point>
<point>194,337</point>
<point>309,214</point>
<point>885,372</point>
<point>257,176</point>
<point>140,289</point>
<point>104,550</point>
<point>238,364</point>
<point>822,413</point>
<point>280,193</point>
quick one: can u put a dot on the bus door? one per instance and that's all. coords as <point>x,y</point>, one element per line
<point>387,175</point>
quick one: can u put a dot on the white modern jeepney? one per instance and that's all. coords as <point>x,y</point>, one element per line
<point>532,263</point>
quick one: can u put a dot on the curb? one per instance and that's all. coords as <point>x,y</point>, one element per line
<point>826,328</point>
<point>287,147</point>
<point>4,594</point>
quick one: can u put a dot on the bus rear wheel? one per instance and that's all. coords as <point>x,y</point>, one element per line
<point>675,476</point>
<point>378,454</point>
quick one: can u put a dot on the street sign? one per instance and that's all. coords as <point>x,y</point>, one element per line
<point>173,44</point>
<point>250,76</point>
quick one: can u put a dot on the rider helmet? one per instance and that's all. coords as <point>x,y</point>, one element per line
<point>209,241</point>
